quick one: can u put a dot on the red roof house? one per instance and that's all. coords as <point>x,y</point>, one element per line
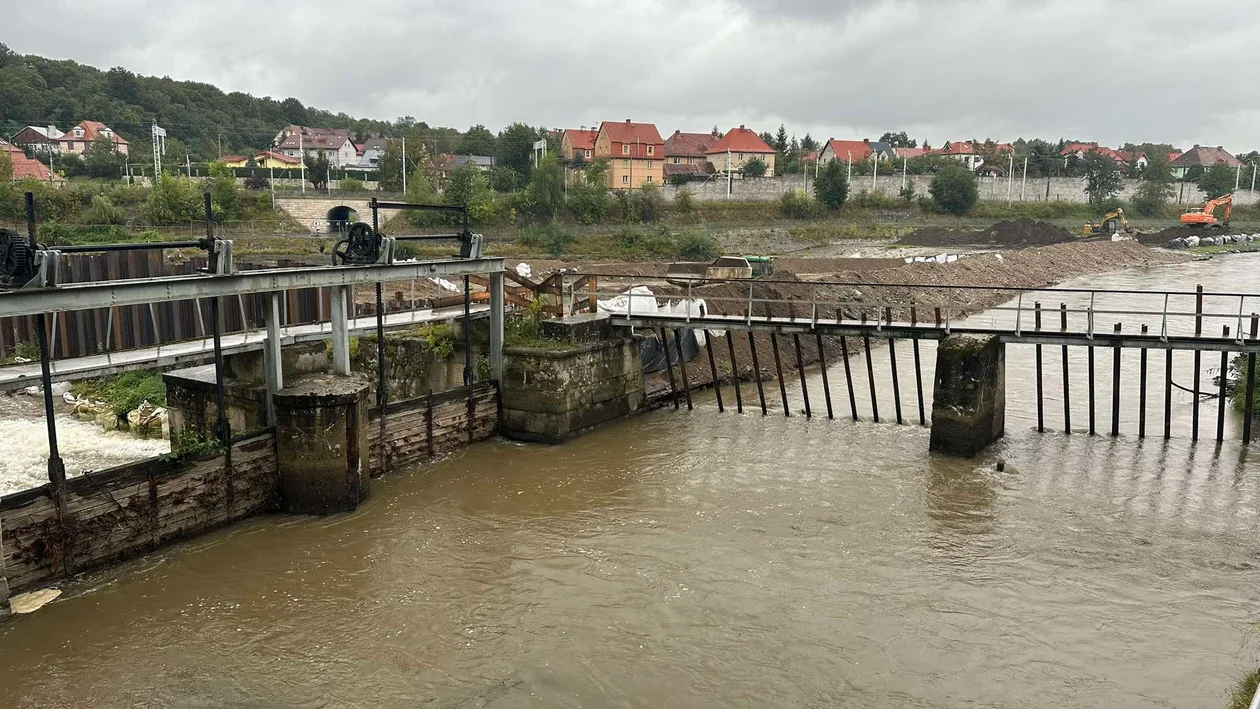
<point>25,168</point>
<point>635,152</point>
<point>81,136</point>
<point>577,144</point>
<point>737,148</point>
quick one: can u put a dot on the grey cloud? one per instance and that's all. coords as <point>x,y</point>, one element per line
<point>1108,70</point>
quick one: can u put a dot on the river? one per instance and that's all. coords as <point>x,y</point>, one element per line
<point>703,559</point>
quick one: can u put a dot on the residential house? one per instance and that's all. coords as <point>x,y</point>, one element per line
<point>846,151</point>
<point>37,139</point>
<point>234,160</point>
<point>333,143</point>
<point>270,160</point>
<point>908,153</point>
<point>85,133</point>
<point>25,168</point>
<point>738,147</point>
<point>373,151</point>
<point>577,146</point>
<point>962,151</point>
<point>1202,157</point>
<point>635,152</point>
<point>1133,158</point>
<point>688,154</point>
<point>1079,150</point>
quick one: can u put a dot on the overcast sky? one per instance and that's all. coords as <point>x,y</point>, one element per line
<point>1109,70</point>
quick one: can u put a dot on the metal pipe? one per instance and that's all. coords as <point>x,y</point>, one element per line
<point>382,385</point>
<point>870,376</point>
<point>761,392</point>
<point>1194,415</point>
<point>1092,429</point>
<point>673,385</point>
<point>1168,370</point>
<point>139,246</point>
<point>682,367</point>
<point>56,467</point>
<point>468,366</point>
<point>717,384</point>
<point>800,368</point>
<point>739,396</point>
<point>1067,389</point>
<point>1041,412</point>
<point>822,364</point>
<point>778,367</point>
<point>918,381</point>
<point>848,377</point>
<point>1249,404</point>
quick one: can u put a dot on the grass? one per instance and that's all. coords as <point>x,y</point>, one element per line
<point>125,392</point>
<point>1245,248</point>
<point>1245,690</point>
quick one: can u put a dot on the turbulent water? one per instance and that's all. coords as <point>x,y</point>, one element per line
<point>83,445</point>
<point>703,559</point>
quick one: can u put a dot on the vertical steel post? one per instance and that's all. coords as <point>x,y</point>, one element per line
<point>892,355</point>
<point>1220,393</point>
<point>778,368</point>
<point>1142,389</point>
<point>497,305</point>
<point>1067,388</point>
<point>1198,360</point>
<point>800,368</point>
<point>918,381</point>
<point>1092,420</point>
<point>761,392</point>
<point>848,377</point>
<point>682,367</point>
<point>271,354</point>
<point>468,365</point>
<point>1115,384</point>
<point>739,396</point>
<point>340,330</point>
<point>673,385</point>
<point>870,376</point>
<point>717,383</point>
<point>1249,403</point>
<point>822,364</point>
<point>382,385</point>
<point>1041,409</point>
<point>1168,371</point>
<point>222,429</point>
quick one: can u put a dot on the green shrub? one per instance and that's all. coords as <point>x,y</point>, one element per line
<point>552,237</point>
<point>954,189</point>
<point>126,392</point>
<point>795,204</point>
<point>351,184</point>
<point>755,168</point>
<point>684,201</point>
<point>831,188</point>
<point>103,211</point>
<point>697,246</point>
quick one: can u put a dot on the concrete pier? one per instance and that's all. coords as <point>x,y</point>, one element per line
<point>969,395</point>
<point>322,444</point>
<point>580,377</point>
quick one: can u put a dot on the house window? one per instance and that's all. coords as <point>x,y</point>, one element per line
<point>625,149</point>
<point>625,179</point>
<point>588,155</point>
<point>677,161</point>
<point>741,156</point>
<point>625,164</point>
<point>651,149</point>
<point>78,132</point>
<point>649,178</point>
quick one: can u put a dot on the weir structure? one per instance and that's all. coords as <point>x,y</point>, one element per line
<point>968,398</point>
<point>320,438</point>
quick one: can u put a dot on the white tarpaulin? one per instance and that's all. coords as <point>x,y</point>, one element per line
<point>641,298</point>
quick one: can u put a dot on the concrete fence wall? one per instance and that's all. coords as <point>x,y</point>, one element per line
<point>993,189</point>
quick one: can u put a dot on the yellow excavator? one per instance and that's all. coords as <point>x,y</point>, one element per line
<point>1111,223</point>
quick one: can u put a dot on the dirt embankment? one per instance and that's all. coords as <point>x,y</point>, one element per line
<point>1018,233</point>
<point>899,287</point>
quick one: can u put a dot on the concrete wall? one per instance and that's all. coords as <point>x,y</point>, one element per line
<point>1062,189</point>
<point>313,212</point>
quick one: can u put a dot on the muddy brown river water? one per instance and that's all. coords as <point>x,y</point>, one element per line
<point>704,559</point>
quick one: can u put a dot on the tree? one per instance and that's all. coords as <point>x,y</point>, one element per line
<point>224,195</point>
<point>808,144</point>
<point>504,179</point>
<point>6,164</point>
<point>515,148</point>
<point>477,141</point>
<point>1102,178</point>
<point>781,140</point>
<point>546,188</point>
<point>767,138</point>
<point>755,167</point>
<point>954,190</point>
<point>1217,180</point>
<point>317,169</point>
<point>831,188</point>
<point>588,197</point>
<point>102,159</point>
<point>1156,187</point>
<point>898,140</point>
<point>468,186</point>
<point>173,200</point>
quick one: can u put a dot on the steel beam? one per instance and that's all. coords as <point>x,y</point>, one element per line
<point>271,353</point>
<point>496,326</point>
<point>340,332</point>
<point>146,290</point>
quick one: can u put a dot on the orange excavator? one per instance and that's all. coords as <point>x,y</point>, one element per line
<point>1205,216</point>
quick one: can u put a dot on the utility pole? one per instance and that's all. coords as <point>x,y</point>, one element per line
<point>220,146</point>
<point>1010,177</point>
<point>188,164</point>
<point>1024,181</point>
<point>404,165</point>
<point>159,147</point>
<point>272,170</point>
<point>729,185</point>
<point>905,171</point>
<point>302,154</point>
<point>1253,178</point>
<point>849,177</point>
<point>1238,177</point>
<point>875,172</point>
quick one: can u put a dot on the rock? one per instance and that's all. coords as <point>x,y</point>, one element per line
<point>33,601</point>
<point>60,388</point>
<point>1191,241</point>
<point>146,421</point>
<point>1176,244</point>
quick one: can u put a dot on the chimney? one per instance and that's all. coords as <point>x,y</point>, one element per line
<point>866,141</point>
<point>741,126</point>
<point>677,131</point>
<point>627,121</point>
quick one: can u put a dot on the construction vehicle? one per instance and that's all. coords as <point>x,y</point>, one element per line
<point>1205,216</point>
<point>1111,223</point>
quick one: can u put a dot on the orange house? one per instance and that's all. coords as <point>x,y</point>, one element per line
<point>635,154</point>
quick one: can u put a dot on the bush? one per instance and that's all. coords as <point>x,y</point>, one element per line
<point>648,203</point>
<point>685,201</point>
<point>552,237</point>
<point>697,246</point>
<point>351,184</point>
<point>755,168</point>
<point>795,204</point>
<point>831,188</point>
<point>954,190</point>
<point>103,211</point>
<point>257,183</point>
<point>125,392</point>
<point>907,193</point>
